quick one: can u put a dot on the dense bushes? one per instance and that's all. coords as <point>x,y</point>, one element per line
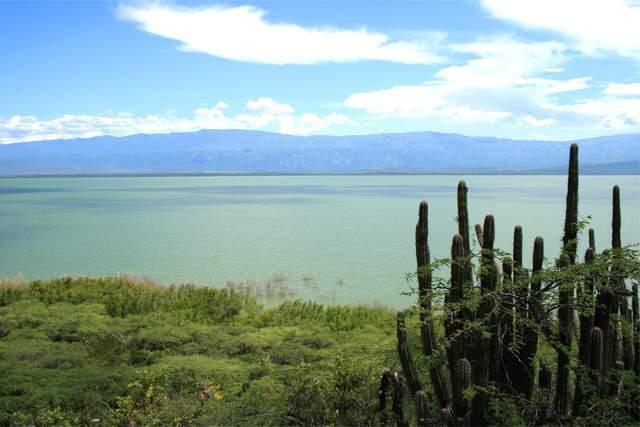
<point>120,299</point>
<point>116,350</point>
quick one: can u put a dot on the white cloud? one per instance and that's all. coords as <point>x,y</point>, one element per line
<point>614,114</point>
<point>532,121</point>
<point>242,34</point>
<point>594,26</point>
<point>622,89</point>
<point>500,84</point>
<point>261,113</point>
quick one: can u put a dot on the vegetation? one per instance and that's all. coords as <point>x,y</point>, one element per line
<point>114,351</point>
<point>504,332</point>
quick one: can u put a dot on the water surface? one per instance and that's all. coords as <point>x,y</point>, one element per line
<point>334,239</point>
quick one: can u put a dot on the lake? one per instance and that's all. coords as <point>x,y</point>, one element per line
<point>333,239</point>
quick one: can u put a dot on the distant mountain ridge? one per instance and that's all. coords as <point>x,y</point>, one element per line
<point>240,151</point>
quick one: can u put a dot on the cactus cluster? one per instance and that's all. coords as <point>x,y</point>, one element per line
<point>491,345</point>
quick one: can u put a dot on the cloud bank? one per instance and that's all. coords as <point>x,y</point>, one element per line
<point>243,34</point>
<point>595,27</point>
<point>261,113</point>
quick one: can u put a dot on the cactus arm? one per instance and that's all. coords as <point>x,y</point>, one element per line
<point>479,236</point>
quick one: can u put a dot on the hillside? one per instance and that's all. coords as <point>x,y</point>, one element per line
<point>240,151</point>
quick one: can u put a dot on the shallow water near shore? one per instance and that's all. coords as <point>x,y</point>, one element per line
<point>332,239</point>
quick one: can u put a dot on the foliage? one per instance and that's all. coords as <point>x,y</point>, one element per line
<point>118,351</point>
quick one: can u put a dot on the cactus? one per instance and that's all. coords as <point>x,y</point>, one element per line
<point>492,356</point>
<point>506,360</point>
<point>406,360</point>
<point>423,259</point>
<point>423,412</point>
<point>530,332</point>
<point>570,236</point>
<point>592,239</point>
<point>565,316</point>
<point>585,300</point>
<point>484,370</point>
<point>427,332</point>
<point>391,378</point>
<point>463,228</point>
<point>462,374</point>
<point>521,286</point>
<point>535,311</point>
<point>616,244</point>
<point>565,293</point>
<point>455,325</point>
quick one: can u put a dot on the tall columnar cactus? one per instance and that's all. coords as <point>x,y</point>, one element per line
<point>530,331</point>
<point>484,371</point>
<point>625,313</point>
<point>423,259</point>
<point>569,239</point>
<point>585,300</point>
<point>455,324</point>
<point>535,311</point>
<point>565,292</point>
<point>404,354</point>
<point>519,274</point>
<point>427,333</point>
<point>506,326</point>
<point>488,345</point>
<point>463,227</point>
<point>565,316</point>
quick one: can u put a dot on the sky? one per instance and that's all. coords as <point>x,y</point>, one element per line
<point>543,69</point>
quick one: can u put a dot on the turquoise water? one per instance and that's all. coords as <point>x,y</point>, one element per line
<point>334,239</point>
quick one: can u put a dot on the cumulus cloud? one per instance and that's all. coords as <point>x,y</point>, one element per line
<point>508,82</point>
<point>243,34</point>
<point>261,113</point>
<point>593,26</point>
<point>501,83</point>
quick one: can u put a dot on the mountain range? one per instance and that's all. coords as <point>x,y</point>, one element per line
<point>242,151</point>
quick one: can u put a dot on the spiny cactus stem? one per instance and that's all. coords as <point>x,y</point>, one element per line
<point>616,219</point>
<point>423,260</point>
<point>404,353</point>
<point>571,214</point>
<point>564,320</point>
<point>462,381</point>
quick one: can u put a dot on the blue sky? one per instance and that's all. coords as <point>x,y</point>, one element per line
<point>510,68</point>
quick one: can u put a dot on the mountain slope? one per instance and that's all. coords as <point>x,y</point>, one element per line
<point>253,151</point>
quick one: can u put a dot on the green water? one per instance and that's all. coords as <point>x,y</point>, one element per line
<point>334,239</point>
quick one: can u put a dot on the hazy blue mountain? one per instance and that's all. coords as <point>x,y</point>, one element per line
<point>252,151</point>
